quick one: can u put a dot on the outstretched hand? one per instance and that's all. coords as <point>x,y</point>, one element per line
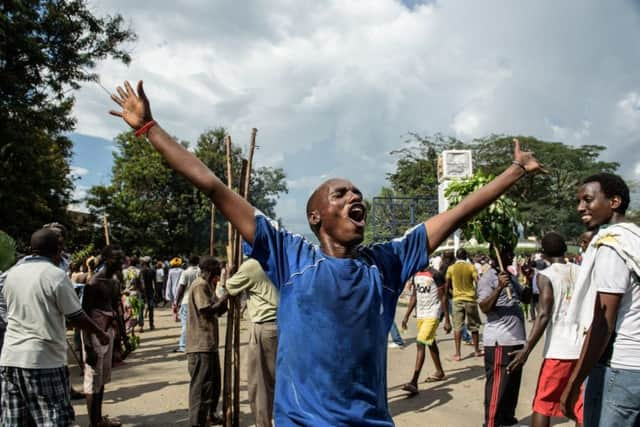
<point>527,159</point>
<point>135,107</point>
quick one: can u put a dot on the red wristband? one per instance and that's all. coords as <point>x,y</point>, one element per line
<point>145,128</point>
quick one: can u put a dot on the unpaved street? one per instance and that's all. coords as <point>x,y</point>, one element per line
<point>150,389</point>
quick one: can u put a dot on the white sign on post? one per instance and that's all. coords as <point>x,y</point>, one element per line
<point>453,164</point>
<point>456,164</point>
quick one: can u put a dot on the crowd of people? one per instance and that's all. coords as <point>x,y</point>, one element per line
<point>106,297</point>
<point>321,314</point>
<point>585,304</point>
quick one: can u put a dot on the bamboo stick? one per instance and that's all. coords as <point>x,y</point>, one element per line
<point>236,313</point>
<point>105,224</point>
<point>227,404</point>
<point>509,295</point>
<point>252,148</point>
<point>212,233</point>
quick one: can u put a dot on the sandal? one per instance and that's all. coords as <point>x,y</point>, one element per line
<point>434,379</point>
<point>411,389</point>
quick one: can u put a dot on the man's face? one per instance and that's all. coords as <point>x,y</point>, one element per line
<point>210,277</point>
<point>341,212</point>
<point>114,262</point>
<point>585,240</point>
<point>594,207</point>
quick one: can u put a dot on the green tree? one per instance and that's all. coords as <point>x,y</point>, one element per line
<point>417,165</point>
<point>545,202</point>
<point>497,224</point>
<point>47,48</point>
<point>153,210</point>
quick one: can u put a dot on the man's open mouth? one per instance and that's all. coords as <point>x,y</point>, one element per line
<point>357,214</point>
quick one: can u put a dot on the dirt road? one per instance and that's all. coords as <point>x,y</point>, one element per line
<point>150,389</point>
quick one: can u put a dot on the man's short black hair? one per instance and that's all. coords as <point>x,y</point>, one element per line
<point>45,242</point>
<point>194,260</point>
<point>210,264</point>
<point>553,245</point>
<point>461,254</point>
<point>107,251</point>
<point>57,227</point>
<point>612,185</point>
<point>311,206</point>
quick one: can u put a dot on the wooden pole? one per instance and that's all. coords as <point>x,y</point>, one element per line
<point>236,313</point>
<point>252,148</point>
<point>227,404</point>
<point>509,295</point>
<point>231,383</point>
<point>212,233</point>
<point>105,225</point>
<point>227,143</point>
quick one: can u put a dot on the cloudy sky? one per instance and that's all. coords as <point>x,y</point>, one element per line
<point>334,86</point>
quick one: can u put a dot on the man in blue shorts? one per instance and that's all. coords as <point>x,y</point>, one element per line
<point>337,300</point>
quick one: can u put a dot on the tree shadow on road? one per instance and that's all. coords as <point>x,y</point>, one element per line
<point>173,419</point>
<point>125,393</point>
<point>434,394</point>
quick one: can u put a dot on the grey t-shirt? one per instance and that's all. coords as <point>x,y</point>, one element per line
<point>39,295</point>
<point>505,321</point>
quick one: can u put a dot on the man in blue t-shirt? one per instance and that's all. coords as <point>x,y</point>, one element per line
<point>337,300</point>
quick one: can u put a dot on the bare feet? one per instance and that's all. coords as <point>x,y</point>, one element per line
<point>456,358</point>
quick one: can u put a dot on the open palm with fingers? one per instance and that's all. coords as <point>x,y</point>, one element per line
<point>135,106</point>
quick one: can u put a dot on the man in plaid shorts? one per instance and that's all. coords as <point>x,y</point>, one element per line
<point>35,385</point>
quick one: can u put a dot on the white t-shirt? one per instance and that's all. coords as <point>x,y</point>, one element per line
<point>561,340</point>
<point>427,301</point>
<point>159,275</point>
<point>186,278</point>
<point>611,275</point>
<point>39,295</point>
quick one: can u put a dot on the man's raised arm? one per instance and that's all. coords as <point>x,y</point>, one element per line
<point>442,225</point>
<point>136,112</point>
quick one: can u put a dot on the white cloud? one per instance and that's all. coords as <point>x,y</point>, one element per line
<point>334,86</point>
<point>466,124</point>
<point>629,111</point>
<point>571,135</point>
<point>78,172</point>
<point>79,196</point>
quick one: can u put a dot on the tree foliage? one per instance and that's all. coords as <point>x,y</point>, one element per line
<point>497,224</point>
<point>153,210</point>
<point>7,251</point>
<point>545,202</point>
<point>47,48</point>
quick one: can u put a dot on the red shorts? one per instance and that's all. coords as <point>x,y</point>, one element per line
<point>554,375</point>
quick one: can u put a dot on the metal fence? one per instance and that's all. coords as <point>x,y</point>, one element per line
<point>392,216</point>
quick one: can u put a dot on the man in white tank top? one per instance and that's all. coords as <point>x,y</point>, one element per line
<point>561,346</point>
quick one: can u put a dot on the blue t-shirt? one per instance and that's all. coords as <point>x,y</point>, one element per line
<point>333,320</point>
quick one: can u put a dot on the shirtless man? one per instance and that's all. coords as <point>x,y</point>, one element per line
<point>101,301</point>
<point>561,348</point>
